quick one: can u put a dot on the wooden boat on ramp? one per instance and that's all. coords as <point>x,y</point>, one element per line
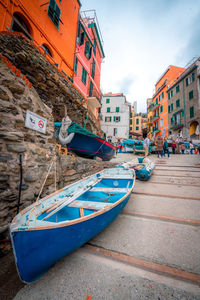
<point>58,224</point>
<point>143,167</point>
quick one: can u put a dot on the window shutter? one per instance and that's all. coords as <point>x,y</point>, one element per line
<point>119,119</point>
<point>114,119</point>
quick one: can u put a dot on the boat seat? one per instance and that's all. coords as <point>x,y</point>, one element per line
<point>89,204</point>
<point>109,190</point>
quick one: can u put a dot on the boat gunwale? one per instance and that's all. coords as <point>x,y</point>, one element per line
<point>76,221</point>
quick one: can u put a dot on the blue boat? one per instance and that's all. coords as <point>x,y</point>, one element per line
<point>143,168</point>
<point>60,223</point>
<point>84,143</point>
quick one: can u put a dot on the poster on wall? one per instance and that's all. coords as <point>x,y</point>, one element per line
<point>35,122</point>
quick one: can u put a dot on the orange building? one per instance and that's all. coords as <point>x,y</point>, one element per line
<point>160,100</point>
<point>51,25</point>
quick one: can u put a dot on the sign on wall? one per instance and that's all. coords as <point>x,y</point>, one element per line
<point>35,122</point>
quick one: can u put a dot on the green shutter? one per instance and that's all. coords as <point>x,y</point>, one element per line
<point>191,96</point>
<point>107,100</point>
<point>117,109</point>
<point>119,119</point>
<point>75,64</point>
<point>186,81</point>
<point>168,108</point>
<point>108,109</point>
<point>177,89</point>
<point>193,77</point>
<point>84,76</point>
<point>191,112</point>
<point>114,119</point>
<point>93,68</point>
<point>172,107</point>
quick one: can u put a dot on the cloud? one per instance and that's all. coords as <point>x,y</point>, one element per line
<point>125,84</point>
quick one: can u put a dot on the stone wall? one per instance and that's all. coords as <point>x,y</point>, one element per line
<point>37,149</point>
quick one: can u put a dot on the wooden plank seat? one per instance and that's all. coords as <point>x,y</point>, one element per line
<point>109,190</point>
<point>89,204</point>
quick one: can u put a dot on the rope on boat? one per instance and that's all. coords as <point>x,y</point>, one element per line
<point>33,209</point>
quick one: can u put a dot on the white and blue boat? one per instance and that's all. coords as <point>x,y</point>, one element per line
<point>60,223</point>
<point>143,168</point>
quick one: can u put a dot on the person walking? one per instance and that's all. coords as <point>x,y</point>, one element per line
<point>182,147</point>
<point>146,146</point>
<point>173,147</point>
<point>166,148</point>
<point>191,148</point>
<point>159,146</point>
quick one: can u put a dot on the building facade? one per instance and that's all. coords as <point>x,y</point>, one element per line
<point>160,100</point>
<point>184,104</point>
<point>149,118</point>
<point>88,58</point>
<point>50,25</point>
<point>115,116</point>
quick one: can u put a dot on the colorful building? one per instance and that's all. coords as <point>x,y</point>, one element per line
<point>115,117</point>
<point>51,25</point>
<point>184,104</point>
<point>88,58</point>
<point>149,118</point>
<point>160,100</point>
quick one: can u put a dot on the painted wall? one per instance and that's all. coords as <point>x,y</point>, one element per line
<point>119,122</point>
<point>61,41</point>
<point>171,74</point>
<point>86,63</point>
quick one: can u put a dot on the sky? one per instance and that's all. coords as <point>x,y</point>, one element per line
<point>141,38</point>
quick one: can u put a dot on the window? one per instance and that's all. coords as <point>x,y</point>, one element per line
<point>91,89</point>
<point>156,100</point>
<point>191,95</point>
<point>161,122</point>
<point>84,76</point>
<point>172,107</point>
<point>161,108</point>
<point>171,93</point>
<point>108,109</point>
<point>108,119</point>
<point>191,112</point>
<point>168,95</point>
<point>193,77</point>
<point>54,13</point>
<point>137,121</point>
<point>21,25</point>
<point>75,64</point>
<point>114,131</point>
<point>46,49</point>
<point>177,89</point>
<point>178,103</point>
<point>137,127</point>
<point>93,68</point>
<point>107,100</point>
<point>117,109</point>
<point>186,81</point>
<point>116,119</point>
<point>168,108</point>
<point>82,38</point>
<point>94,49</point>
<point>88,50</point>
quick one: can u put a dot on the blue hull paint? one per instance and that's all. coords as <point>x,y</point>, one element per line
<point>91,147</point>
<point>37,250</point>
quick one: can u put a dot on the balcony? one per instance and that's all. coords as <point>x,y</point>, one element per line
<point>155,118</point>
<point>177,126</point>
<point>155,107</point>
<point>94,98</point>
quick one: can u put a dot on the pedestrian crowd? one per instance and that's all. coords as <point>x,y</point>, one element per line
<point>162,147</point>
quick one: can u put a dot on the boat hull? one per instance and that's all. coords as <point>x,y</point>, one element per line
<point>37,250</point>
<point>90,147</point>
